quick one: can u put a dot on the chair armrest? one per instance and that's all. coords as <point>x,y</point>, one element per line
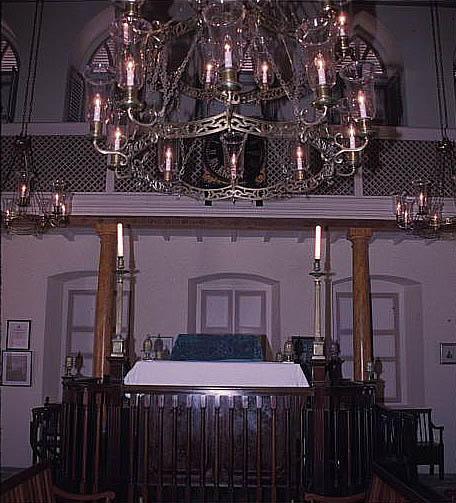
<point>107,496</point>
<point>440,430</point>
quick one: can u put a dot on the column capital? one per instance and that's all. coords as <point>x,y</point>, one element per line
<point>359,234</point>
<point>106,229</point>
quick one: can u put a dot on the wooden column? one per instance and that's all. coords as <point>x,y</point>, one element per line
<point>105,299</point>
<point>362,329</point>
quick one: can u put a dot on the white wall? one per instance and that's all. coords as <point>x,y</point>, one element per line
<point>164,268</point>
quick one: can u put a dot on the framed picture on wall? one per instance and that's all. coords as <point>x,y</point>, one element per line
<point>17,368</point>
<point>448,352</point>
<point>18,334</point>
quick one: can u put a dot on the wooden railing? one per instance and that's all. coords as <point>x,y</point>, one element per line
<point>215,444</point>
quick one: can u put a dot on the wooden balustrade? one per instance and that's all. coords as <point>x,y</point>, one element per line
<point>214,444</point>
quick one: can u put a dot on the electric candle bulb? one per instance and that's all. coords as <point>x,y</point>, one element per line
<point>117,136</point>
<point>342,21</point>
<point>352,137</point>
<point>168,160</point>
<point>317,242</point>
<point>120,240</point>
<point>208,73</point>
<point>233,166</point>
<point>126,36</point>
<point>362,105</point>
<point>299,158</point>
<point>264,73</point>
<point>97,108</point>
<point>228,56</point>
<point>130,73</point>
<point>321,71</point>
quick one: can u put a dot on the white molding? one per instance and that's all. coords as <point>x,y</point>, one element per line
<point>150,205</point>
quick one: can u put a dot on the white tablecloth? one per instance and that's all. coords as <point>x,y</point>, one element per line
<point>191,373</point>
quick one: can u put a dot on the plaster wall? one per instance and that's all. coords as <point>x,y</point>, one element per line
<point>164,266</point>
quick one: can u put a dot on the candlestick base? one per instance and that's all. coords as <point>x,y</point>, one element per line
<point>323,96</point>
<point>228,80</point>
<point>118,347</point>
<point>365,128</point>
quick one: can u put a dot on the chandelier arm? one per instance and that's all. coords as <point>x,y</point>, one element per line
<point>344,149</point>
<point>315,123</point>
<point>133,119</point>
<point>110,152</point>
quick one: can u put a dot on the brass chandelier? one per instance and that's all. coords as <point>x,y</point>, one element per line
<point>422,213</point>
<point>28,210</point>
<point>229,79</point>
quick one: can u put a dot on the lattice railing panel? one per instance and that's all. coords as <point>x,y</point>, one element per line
<point>390,166</point>
<point>71,158</point>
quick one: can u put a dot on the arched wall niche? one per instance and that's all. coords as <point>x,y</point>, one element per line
<point>56,326</point>
<point>411,342</point>
<point>381,38</point>
<point>90,37</point>
<point>244,281</point>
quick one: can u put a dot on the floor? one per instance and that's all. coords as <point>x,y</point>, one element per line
<point>439,486</point>
<point>430,481</point>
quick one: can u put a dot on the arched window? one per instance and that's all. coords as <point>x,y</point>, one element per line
<point>9,79</point>
<point>389,107</point>
<point>74,108</point>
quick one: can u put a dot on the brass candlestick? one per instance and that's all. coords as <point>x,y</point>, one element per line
<point>118,342</point>
<point>318,346</point>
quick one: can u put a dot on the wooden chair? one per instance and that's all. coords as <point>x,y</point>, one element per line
<point>429,448</point>
<point>34,485</point>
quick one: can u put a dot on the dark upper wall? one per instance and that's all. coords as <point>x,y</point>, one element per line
<point>73,28</point>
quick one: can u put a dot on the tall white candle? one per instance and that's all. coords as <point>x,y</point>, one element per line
<point>130,73</point>
<point>228,56</point>
<point>168,160</point>
<point>23,190</point>
<point>362,105</point>
<point>97,108</point>
<point>317,242</point>
<point>321,71</point>
<point>352,137</point>
<point>119,240</point>
<point>264,73</point>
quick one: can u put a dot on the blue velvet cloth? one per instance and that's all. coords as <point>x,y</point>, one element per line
<point>217,347</point>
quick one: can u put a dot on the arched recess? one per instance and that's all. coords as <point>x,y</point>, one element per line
<point>396,308</point>
<point>10,73</point>
<point>384,47</point>
<point>56,325</point>
<point>256,290</point>
<point>89,40</point>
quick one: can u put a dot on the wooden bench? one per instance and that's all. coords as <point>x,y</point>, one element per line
<point>34,485</point>
<point>384,487</point>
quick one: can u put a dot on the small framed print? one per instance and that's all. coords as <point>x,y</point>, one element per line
<point>448,352</point>
<point>18,334</point>
<point>17,368</point>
